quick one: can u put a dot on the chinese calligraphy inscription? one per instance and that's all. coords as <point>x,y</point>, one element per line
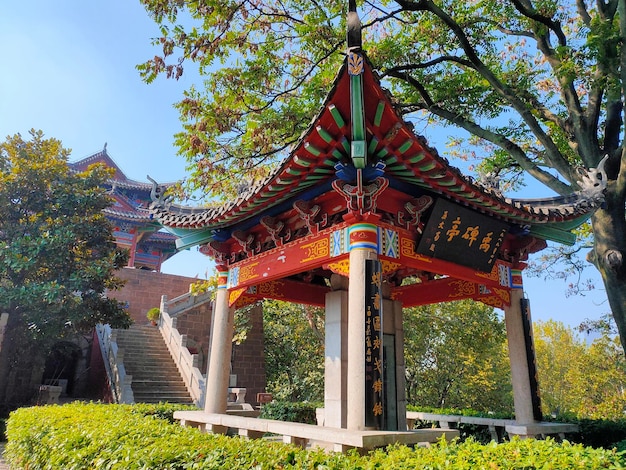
<point>463,236</point>
<point>373,345</point>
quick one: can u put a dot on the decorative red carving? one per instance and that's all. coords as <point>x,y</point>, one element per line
<point>309,213</point>
<point>415,208</point>
<point>217,251</point>
<point>247,242</point>
<point>275,227</point>
<point>361,198</point>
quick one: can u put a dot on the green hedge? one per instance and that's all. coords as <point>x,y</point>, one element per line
<point>87,436</point>
<point>592,432</point>
<point>295,412</point>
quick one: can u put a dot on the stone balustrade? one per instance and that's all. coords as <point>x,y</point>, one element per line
<point>496,427</point>
<point>184,302</point>
<point>186,362</point>
<point>113,358</point>
<point>303,435</point>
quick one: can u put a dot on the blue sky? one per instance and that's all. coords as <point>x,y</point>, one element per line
<point>69,70</point>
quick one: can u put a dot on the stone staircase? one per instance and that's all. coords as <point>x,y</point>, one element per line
<point>147,359</point>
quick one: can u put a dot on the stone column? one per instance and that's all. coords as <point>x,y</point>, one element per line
<point>336,359</point>
<point>221,346</point>
<point>363,246</point>
<point>521,354</point>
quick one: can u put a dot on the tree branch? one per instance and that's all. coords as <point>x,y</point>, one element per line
<point>582,11</point>
<point>526,9</point>
<point>553,155</point>
<point>498,139</point>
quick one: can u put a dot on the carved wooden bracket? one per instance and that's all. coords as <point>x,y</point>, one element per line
<point>361,198</point>
<point>248,242</point>
<point>274,228</point>
<point>309,214</point>
<point>415,208</point>
<point>217,251</point>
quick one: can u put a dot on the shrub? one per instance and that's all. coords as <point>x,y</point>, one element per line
<point>296,412</point>
<point>592,432</point>
<point>599,432</point>
<point>84,436</point>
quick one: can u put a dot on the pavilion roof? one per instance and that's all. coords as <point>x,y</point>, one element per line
<point>119,179</point>
<point>322,155</point>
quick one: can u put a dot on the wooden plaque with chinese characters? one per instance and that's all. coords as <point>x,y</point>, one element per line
<point>463,236</point>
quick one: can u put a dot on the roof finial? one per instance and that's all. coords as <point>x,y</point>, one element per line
<point>354,27</point>
<point>105,148</point>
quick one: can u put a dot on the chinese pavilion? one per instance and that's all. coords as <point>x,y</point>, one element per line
<point>364,218</point>
<point>133,225</point>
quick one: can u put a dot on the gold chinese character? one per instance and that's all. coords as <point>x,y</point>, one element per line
<point>376,343</point>
<point>377,301</point>
<point>378,409</point>
<point>377,278</point>
<point>485,245</point>
<point>437,235</point>
<point>471,234</point>
<point>454,231</point>
<point>377,323</point>
<point>377,386</point>
<point>378,365</point>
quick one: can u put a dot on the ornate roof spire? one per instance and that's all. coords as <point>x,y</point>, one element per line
<point>354,27</point>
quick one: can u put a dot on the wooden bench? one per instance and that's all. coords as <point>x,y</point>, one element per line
<point>496,426</point>
<point>302,435</point>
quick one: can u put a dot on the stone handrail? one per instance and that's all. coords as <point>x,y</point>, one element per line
<point>113,359</point>
<point>304,434</point>
<point>185,301</point>
<point>496,426</point>
<point>186,362</point>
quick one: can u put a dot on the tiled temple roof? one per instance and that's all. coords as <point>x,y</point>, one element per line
<point>409,163</point>
<point>119,178</point>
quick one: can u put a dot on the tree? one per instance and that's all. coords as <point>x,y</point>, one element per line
<point>57,252</point>
<point>456,357</point>
<point>587,380</point>
<point>294,351</point>
<point>537,84</point>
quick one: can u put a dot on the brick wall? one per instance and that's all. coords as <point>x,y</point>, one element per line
<point>249,360</point>
<point>143,290</point>
<point>196,324</point>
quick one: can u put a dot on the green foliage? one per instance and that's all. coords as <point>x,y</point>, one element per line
<point>82,436</point>
<point>595,433</point>
<point>455,355</point>
<point>599,432</point>
<point>575,377</point>
<point>57,252</point>
<point>294,351</point>
<point>153,314</point>
<point>296,412</point>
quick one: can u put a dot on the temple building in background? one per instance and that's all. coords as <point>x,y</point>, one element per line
<point>134,227</point>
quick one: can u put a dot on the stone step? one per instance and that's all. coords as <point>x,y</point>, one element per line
<point>155,375</point>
